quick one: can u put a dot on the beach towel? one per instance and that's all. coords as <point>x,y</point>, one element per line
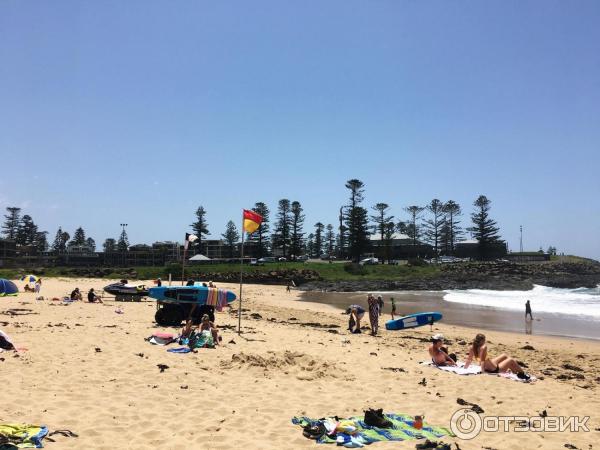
<point>474,369</point>
<point>514,377</point>
<point>216,297</point>
<point>22,436</point>
<point>401,430</point>
<point>161,339</point>
<point>459,369</point>
<point>212,296</point>
<point>179,350</point>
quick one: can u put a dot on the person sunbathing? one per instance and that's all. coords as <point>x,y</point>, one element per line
<point>207,325</point>
<point>439,353</point>
<point>502,363</point>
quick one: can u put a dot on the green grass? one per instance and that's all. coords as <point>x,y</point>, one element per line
<point>328,272</point>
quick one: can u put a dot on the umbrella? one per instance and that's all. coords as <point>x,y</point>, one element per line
<point>29,278</point>
<point>8,288</point>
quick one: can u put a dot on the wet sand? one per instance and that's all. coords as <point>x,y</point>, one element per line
<point>472,316</point>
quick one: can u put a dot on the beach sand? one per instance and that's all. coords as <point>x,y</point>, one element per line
<point>89,370</point>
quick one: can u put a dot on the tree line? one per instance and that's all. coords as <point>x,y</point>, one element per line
<point>438,224</point>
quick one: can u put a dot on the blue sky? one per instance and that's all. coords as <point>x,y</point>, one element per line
<point>140,111</point>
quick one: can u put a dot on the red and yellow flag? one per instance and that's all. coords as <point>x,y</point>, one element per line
<point>251,221</point>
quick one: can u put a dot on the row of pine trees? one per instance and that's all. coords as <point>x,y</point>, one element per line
<point>437,223</point>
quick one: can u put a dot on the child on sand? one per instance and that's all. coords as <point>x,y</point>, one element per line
<point>502,363</point>
<point>393,302</point>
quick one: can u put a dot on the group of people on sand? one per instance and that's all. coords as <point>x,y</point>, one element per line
<point>36,287</point>
<point>375,306</point>
<point>92,297</point>
<point>478,352</point>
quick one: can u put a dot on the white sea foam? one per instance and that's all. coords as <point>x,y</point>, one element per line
<point>581,301</point>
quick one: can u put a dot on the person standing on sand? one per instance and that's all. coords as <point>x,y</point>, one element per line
<point>393,302</point>
<point>528,310</point>
<point>373,314</point>
<point>159,282</point>
<point>380,303</point>
<point>38,285</point>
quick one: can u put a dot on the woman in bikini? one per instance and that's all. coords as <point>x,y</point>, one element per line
<point>439,353</point>
<point>502,363</point>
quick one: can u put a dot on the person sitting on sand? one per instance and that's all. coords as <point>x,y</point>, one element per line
<point>93,298</point>
<point>356,312</point>
<point>187,329</point>
<point>439,353</point>
<point>76,294</point>
<point>207,325</point>
<point>28,288</point>
<point>502,363</point>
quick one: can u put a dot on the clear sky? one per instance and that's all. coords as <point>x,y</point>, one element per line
<point>139,111</point>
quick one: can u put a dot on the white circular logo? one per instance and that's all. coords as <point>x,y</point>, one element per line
<point>465,424</point>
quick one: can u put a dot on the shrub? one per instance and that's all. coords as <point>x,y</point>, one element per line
<point>355,269</point>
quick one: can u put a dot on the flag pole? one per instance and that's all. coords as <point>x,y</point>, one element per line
<point>241,278</point>
<point>183,262</point>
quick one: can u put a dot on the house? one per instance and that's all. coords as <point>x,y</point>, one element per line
<point>470,249</point>
<point>400,246</point>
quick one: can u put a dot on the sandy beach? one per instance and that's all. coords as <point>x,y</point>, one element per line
<point>90,370</point>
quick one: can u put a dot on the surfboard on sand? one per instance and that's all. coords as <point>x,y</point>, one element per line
<point>186,294</point>
<point>413,321</point>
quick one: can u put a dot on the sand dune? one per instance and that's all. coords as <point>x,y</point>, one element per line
<point>89,369</point>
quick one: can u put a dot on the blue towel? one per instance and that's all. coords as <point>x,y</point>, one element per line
<point>179,350</point>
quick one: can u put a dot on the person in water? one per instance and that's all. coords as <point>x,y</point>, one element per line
<point>439,353</point>
<point>528,310</point>
<point>502,363</point>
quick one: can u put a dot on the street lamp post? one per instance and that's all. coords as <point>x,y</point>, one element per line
<point>521,239</point>
<point>123,255</point>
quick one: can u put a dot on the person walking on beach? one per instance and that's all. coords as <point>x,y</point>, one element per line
<point>380,303</point>
<point>528,310</point>
<point>373,314</point>
<point>38,285</point>
<point>393,302</point>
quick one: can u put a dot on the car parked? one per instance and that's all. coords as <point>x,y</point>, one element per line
<point>369,262</point>
<point>267,259</point>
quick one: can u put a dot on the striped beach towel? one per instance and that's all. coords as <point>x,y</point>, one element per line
<point>402,430</point>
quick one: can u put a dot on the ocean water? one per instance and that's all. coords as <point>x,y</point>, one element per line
<point>581,302</point>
